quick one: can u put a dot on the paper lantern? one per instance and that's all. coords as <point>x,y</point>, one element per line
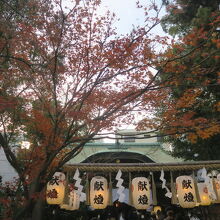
<point>56,189</point>
<point>186,191</point>
<point>141,193</point>
<point>73,203</point>
<point>216,186</point>
<point>99,192</point>
<point>203,194</point>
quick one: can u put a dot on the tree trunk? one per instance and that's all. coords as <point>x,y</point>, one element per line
<point>33,211</point>
<point>34,208</point>
<point>38,210</point>
<point>24,213</point>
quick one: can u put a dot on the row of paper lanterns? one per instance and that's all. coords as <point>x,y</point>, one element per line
<point>140,192</point>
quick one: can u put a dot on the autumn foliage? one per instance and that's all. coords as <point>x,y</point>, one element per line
<point>187,104</point>
<point>65,76</point>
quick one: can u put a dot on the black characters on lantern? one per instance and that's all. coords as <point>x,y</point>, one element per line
<point>55,180</point>
<point>53,194</point>
<point>188,197</point>
<point>143,200</point>
<point>98,185</point>
<point>142,185</point>
<point>186,184</point>
<point>98,199</point>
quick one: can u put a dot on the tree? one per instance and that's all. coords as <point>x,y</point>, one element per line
<point>8,14</point>
<point>189,112</point>
<point>182,14</point>
<point>67,75</point>
<point>202,149</point>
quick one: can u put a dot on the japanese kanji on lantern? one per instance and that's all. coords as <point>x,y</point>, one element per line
<point>56,189</point>
<point>186,191</point>
<point>99,192</point>
<point>203,194</point>
<point>140,192</point>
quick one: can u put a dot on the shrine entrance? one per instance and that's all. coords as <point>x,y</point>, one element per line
<point>118,157</point>
<point>162,184</point>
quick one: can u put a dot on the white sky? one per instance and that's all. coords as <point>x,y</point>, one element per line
<point>128,14</point>
<point>126,11</point>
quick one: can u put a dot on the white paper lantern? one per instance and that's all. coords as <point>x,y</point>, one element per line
<point>74,201</point>
<point>99,194</point>
<point>216,183</point>
<point>141,193</point>
<point>217,186</point>
<point>203,194</point>
<point>186,191</point>
<point>56,189</point>
<point>209,181</point>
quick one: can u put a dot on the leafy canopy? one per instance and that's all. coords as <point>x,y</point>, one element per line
<point>65,76</point>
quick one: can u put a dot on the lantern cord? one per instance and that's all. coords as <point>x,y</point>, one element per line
<point>196,188</point>
<point>154,190</point>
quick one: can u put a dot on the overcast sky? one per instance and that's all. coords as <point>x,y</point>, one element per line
<point>126,11</point>
<point>128,14</point>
